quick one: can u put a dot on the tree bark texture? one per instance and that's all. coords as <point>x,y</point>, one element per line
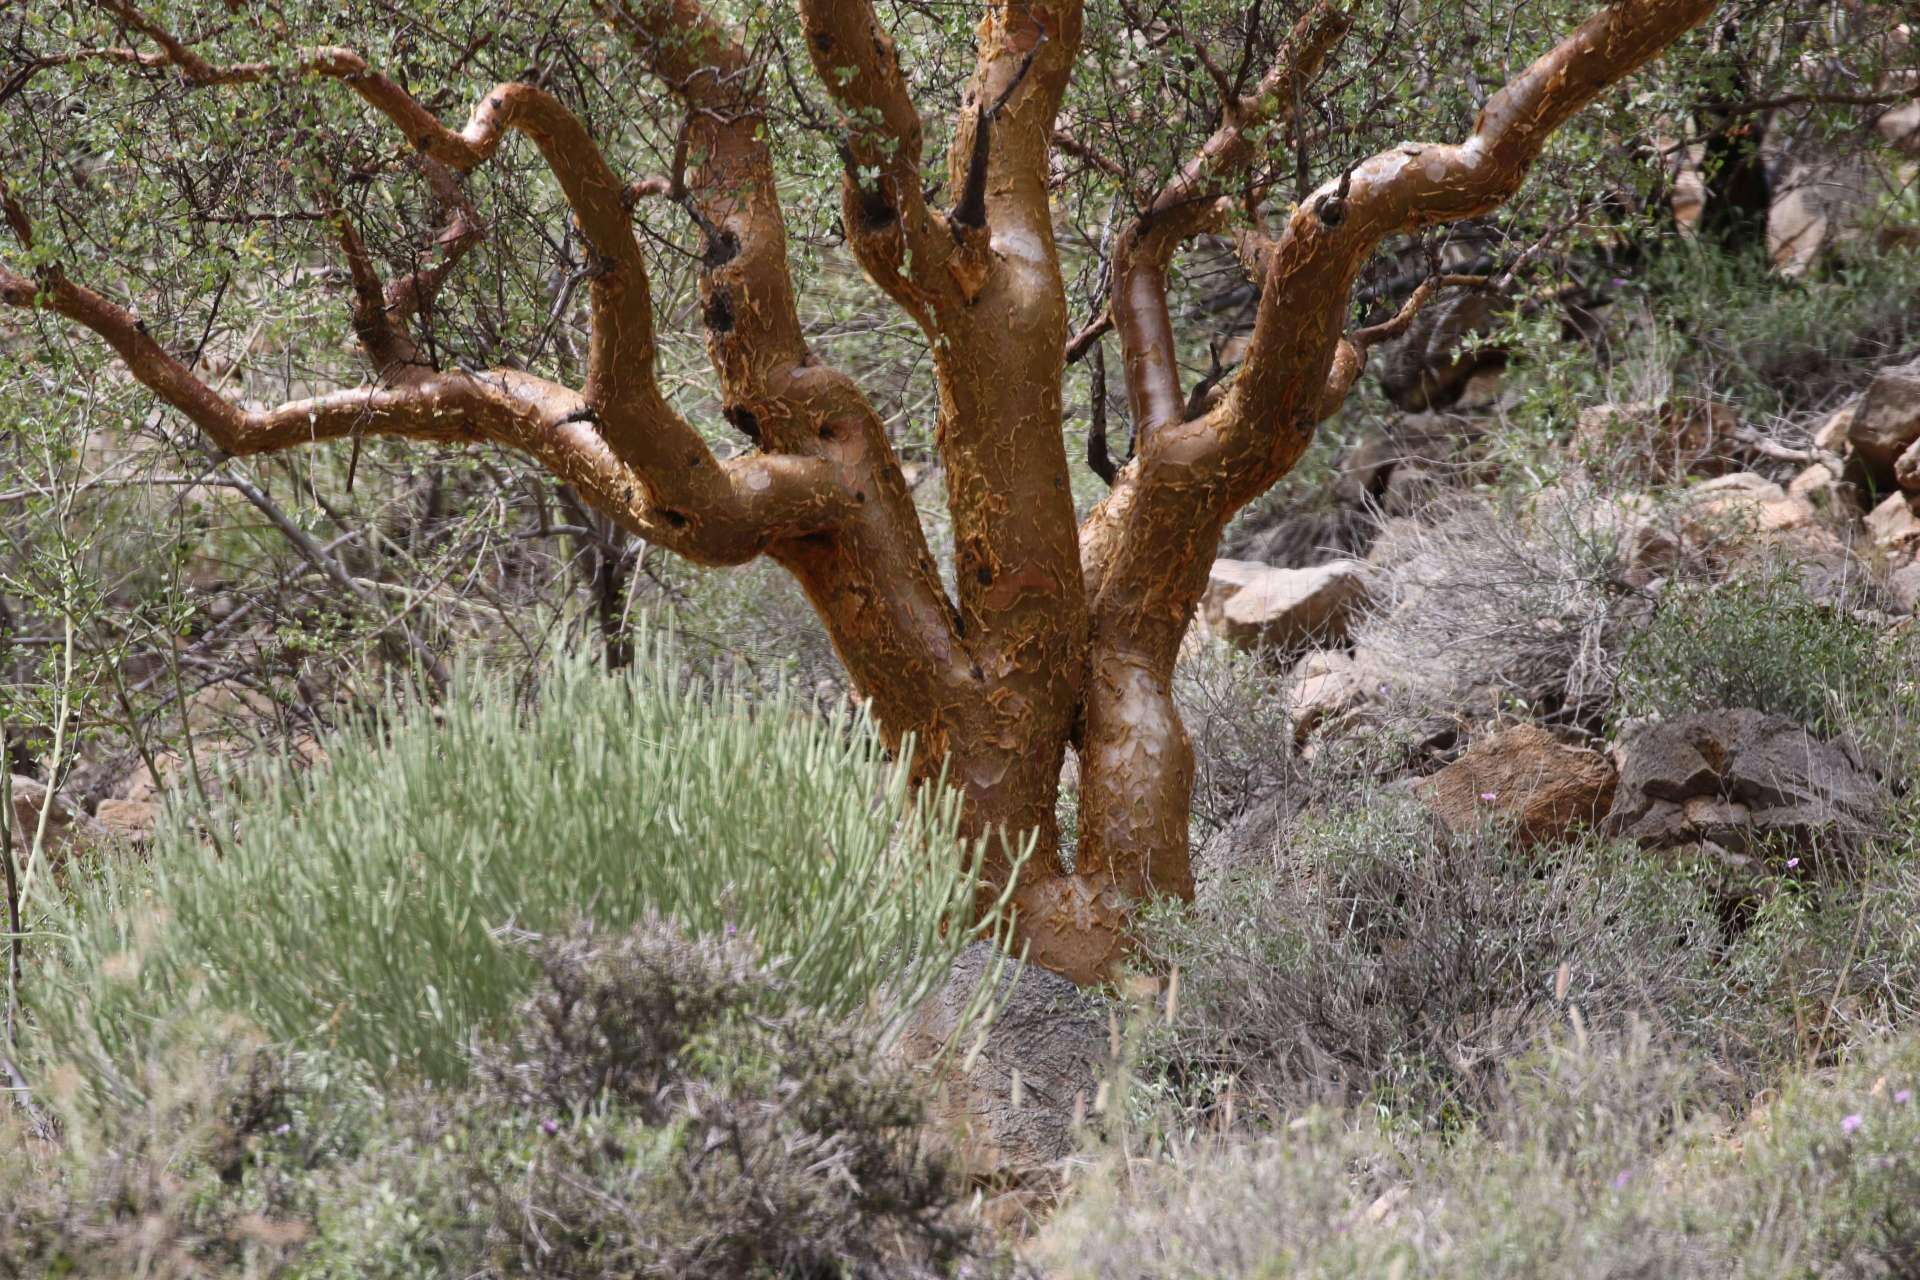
<point>1061,633</point>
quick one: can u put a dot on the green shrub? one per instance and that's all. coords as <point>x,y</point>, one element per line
<point>369,906</point>
<point>1699,322</point>
<point>1759,642</point>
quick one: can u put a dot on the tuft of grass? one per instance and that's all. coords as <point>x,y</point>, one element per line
<point>370,907</point>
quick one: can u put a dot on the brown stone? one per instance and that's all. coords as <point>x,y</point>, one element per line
<point>130,820</point>
<point>1906,468</point>
<point>1887,421</point>
<point>1252,604</point>
<point>1894,525</point>
<point>1832,435</point>
<point>66,824</point>
<point>1744,504</point>
<point>1526,776</point>
<point>1327,685</point>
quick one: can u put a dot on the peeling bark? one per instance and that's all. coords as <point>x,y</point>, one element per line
<point>1061,633</point>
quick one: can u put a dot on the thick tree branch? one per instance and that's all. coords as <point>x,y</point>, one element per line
<point>649,465</point>
<point>970,209</point>
<point>1312,266</point>
<point>1147,547</point>
<point>751,502</point>
<point>874,582</point>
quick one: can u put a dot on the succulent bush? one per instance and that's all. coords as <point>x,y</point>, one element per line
<point>370,906</point>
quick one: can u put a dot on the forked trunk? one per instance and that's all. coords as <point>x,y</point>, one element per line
<point>1059,632</point>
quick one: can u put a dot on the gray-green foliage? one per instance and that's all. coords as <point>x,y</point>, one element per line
<point>584,1144</point>
<point>1382,958</point>
<point>1758,641</point>
<point>371,906</point>
<point>1598,1163</point>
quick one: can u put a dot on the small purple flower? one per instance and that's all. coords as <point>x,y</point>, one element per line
<point>549,1126</point>
<point>1792,863</point>
<point>1903,1097</point>
<point>1619,282</point>
<point>1621,1179</point>
<point>1488,797</point>
<point>731,929</point>
<point>1852,1122</point>
<point>282,1130</point>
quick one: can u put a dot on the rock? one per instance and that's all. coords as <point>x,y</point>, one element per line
<point>1894,525</point>
<point>1832,435</point>
<point>1827,490</point>
<point>1811,481</point>
<point>1734,778</point>
<point>1255,604</point>
<point>1049,1034</point>
<point>1681,437</point>
<point>1901,127</point>
<point>1906,467</point>
<point>1903,584</point>
<point>1251,840</point>
<point>1887,421</point>
<point>1743,504</point>
<point>1327,685</point>
<point>1305,538</point>
<point>1524,775</point>
<point>1745,522</point>
<point>1430,365</point>
<point>66,824</point>
<point>1828,570</point>
<point>1822,199</point>
<point>129,820</point>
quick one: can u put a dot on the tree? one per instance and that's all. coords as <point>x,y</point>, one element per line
<point>1058,631</point>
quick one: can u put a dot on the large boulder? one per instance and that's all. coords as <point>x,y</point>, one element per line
<point>1737,778</point>
<point>1886,421</point>
<point>1254,605</point>
<point>1011,1104</point>
<point>1525,776</point>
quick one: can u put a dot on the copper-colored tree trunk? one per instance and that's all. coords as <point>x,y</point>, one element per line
<point>1062,633</point>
